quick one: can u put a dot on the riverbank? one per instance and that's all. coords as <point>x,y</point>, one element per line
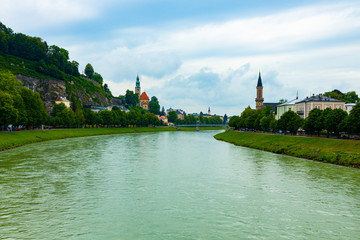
<point>335,151</point>
<point>10,140</point>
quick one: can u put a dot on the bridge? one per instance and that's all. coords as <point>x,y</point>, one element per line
<point>198,125</point>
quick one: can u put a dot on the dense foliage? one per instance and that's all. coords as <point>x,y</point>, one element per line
<point>349,97</point>
<point>190,119</point>
<point>19,105</point>
<point>131,98</point>
<point>154,106</point>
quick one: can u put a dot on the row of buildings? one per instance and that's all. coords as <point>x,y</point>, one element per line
<point>301,106</point>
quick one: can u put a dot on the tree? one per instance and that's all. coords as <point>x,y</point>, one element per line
<point>247,112</point>
<point>133,117</point>
<point>162,113</point>
<point>314,122</point>
<point>351,97</point>
<point>290,121</point>
<point>265,122</point>
<point>336,94</point>
<point>154,106</point>
<point>8,113</point>
<point>131,98</point>
<point>281,101</point>
<point>90,117</point>
<point>352,122</point>
<point>89,70</point>
<point>233,122</point>
<point>273,125</point>
<point>107,117</point>
<point>59,107</point>
<point>172,116</point>
<point>107,90</point>
<point>97,78</point>
<point>333,119</point>
<point>23,46</point>
<point>34,106</point>
<point>225,118</point>
<point>3,42</point>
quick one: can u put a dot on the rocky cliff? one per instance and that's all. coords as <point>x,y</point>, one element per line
<point>50,90</point>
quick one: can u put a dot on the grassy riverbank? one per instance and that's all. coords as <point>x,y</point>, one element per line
<point>336,151</point>
<point>10,140</point>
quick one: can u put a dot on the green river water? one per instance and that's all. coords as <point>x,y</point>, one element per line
<point>172,185</point>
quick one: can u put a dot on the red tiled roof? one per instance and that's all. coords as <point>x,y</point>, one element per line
<point>144,96</point>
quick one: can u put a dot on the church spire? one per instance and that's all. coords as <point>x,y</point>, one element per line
<point>259,100</point>
<point>259,83</point>
<point>137,86</point>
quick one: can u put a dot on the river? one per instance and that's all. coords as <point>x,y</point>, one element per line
<point>172,185</point>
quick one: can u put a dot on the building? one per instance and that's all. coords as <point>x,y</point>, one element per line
<point>321,102</point>
<point>163,119</point>
<point>97,108</point>
<point>144,101</point>
<point>259,100</point>
<point>63,100</point>
<point>143,97</point>
<point>285,107</point>
<point>349,107</point>
<point>137,86</point>
<point>180,113</point>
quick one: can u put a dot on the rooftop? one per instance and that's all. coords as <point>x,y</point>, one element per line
<point>292,102</point>
<point>319,98</point>
<point>144,96</point>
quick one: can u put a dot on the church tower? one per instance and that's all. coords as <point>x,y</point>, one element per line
<point>137,86</point>
<point>259,100</point>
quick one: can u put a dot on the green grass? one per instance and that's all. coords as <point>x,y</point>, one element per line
<point>10,140</point>
<point>336,151</point>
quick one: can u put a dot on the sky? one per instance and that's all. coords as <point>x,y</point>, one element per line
<point>198,54</point>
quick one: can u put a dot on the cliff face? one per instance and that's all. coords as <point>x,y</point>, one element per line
<point>50,90</point>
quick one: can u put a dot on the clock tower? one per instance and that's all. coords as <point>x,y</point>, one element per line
<point>259,100</point>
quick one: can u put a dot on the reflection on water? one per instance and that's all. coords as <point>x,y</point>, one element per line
<point>172,185</point>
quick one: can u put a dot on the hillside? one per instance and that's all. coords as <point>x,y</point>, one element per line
<point>49,71</point>
<point>80,89</point>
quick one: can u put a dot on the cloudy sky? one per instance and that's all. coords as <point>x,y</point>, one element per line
<point>196,54</point>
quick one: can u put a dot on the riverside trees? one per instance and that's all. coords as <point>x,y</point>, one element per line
<point>19,105</point>
<point>319,121</point>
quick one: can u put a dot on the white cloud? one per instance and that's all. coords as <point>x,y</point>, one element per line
<point>194,68</point>
<point>310,49</point>
<point>26,15</point>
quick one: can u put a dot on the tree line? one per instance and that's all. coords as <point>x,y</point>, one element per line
<point>190,119</point>
<point>327,121</point>
<point>21,106</point>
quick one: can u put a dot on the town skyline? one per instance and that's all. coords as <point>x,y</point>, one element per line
<point>195,55</point>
